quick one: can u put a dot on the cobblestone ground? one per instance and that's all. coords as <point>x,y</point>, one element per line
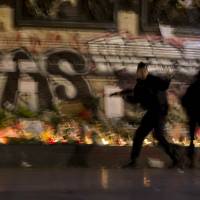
<point>99,184</point>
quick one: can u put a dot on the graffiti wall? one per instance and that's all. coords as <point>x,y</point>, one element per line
<point>73,76</point>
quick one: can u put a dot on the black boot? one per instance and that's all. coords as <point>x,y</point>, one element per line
<point>131,164</point>
<point>174,164</point>
<point>191,152</point>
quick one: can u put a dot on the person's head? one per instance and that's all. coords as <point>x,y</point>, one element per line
<point>142,71</point>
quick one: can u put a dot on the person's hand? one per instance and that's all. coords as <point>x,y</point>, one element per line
<point>114,94</point>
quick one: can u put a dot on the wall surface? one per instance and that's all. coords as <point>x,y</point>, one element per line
<point>46,67</point>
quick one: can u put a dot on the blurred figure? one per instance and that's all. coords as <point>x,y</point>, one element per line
<point>150,93</point>
<point>191,103</point>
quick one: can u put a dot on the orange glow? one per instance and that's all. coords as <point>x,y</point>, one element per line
<point>82,133</point>
<point>4,140</point>
<point>9,132</point>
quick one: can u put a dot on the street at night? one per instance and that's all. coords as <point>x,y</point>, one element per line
<point>98,184</point>
<point>99,100</point>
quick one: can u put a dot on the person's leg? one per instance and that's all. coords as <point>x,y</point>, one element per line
<point>143,130</point>
<point>159,130</point>
<point>191,152</point>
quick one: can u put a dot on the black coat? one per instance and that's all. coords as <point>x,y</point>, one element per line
<point>150,94</point>
<point>191,100</point>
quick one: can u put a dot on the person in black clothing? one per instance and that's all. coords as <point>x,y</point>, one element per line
<point>150,93</point>
<point>191,102</point>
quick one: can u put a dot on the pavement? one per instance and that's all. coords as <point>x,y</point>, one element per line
<point>99,184</point>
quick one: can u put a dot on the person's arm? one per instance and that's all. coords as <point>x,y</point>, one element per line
<point>121,93</point>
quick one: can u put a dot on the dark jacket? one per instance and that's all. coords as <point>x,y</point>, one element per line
<point>191,99</point>
<point>150,94</point>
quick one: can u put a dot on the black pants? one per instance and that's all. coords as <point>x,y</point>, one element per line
<point>193,123</point>
<point>152,120</point>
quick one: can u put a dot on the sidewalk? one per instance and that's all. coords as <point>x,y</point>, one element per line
<point>56,156</point>
<point>99,184</point>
